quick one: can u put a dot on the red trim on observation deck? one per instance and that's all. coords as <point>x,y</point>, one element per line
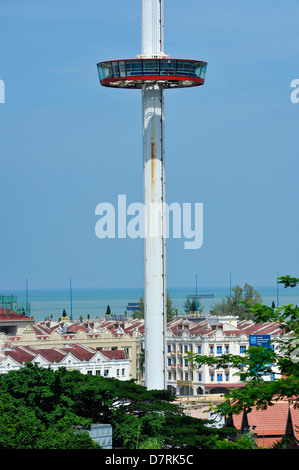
<point>196,81</point>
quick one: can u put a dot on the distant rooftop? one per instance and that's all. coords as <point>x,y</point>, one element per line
<point>10,315</point>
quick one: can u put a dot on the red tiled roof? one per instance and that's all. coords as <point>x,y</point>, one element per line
<point>115,354</point>
<point>223,385</point>
<point>270,425</point>
<point>28,353</point>
<point>72,328</point>
<point>19,354</point>
<point>295,421</point>
<point>41,329</point>
<point>51,354</point>
<point>79,351</point>
<point>6,315</point>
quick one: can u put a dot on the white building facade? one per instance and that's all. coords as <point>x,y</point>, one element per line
<point>87,360</point>
<point>211,337</point>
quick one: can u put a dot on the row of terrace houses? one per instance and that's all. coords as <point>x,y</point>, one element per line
<point>19,330</point>
<point>75,356</point>
<point>209,335</point>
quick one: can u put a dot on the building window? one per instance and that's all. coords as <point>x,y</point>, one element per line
<point>98,372</point>
<point>186,348</point>
<point>169,362</point>
<point>211,349</point>
<point>219,377</point>
<point>198,349</point>
<point>89,372</point>
<point>169,375</point>
<point>186,362</point>
<point>127,351</point>
<point>227,376</point>
<point>200,377</point>
<point>219,349</point>
<point>242,349</point>
<point>212,377</point>
<point>106,372</point>
<point>123,372</point>
<point>117,372</point>
<point>186,376</point>
<point>169,348</point>
<point>226,349</point>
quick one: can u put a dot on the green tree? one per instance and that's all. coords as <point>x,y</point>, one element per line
<point>259,361</point>
<point>242,441</point>
<point>239,304</point>
<point>186,432</point>
<point>170,309</point>
<point>140,312</point>
<point>190,305</point>
<point>25,427</point>
<point>152,443</point>
<point>45,409</point>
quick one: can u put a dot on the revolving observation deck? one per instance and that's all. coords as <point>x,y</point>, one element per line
<point>169,73</point>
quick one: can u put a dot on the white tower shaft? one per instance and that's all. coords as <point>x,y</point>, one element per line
<point>152,28</point>
<point>154,198</point>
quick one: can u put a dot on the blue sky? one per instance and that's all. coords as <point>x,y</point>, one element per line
<point>68,144</point>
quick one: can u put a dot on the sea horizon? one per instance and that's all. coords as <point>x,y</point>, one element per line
<point>92,303</point>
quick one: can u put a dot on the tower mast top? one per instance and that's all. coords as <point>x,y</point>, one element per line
<point>152,29</point>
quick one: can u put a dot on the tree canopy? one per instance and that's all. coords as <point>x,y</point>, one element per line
<point>170,309</point>
<point>258,361</point>
<point>45,409</point>
<point>239,304</point>
<point>190,305</point>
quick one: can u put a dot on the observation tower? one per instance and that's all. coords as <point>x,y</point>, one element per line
<point>152,72</point>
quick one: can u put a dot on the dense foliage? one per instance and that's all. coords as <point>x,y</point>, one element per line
<point>238,303</point>
<point>191,306</point>
<point>43,409</point>
<point>259,361</point>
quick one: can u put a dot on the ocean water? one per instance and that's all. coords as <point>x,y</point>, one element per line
<point>93,302</point>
